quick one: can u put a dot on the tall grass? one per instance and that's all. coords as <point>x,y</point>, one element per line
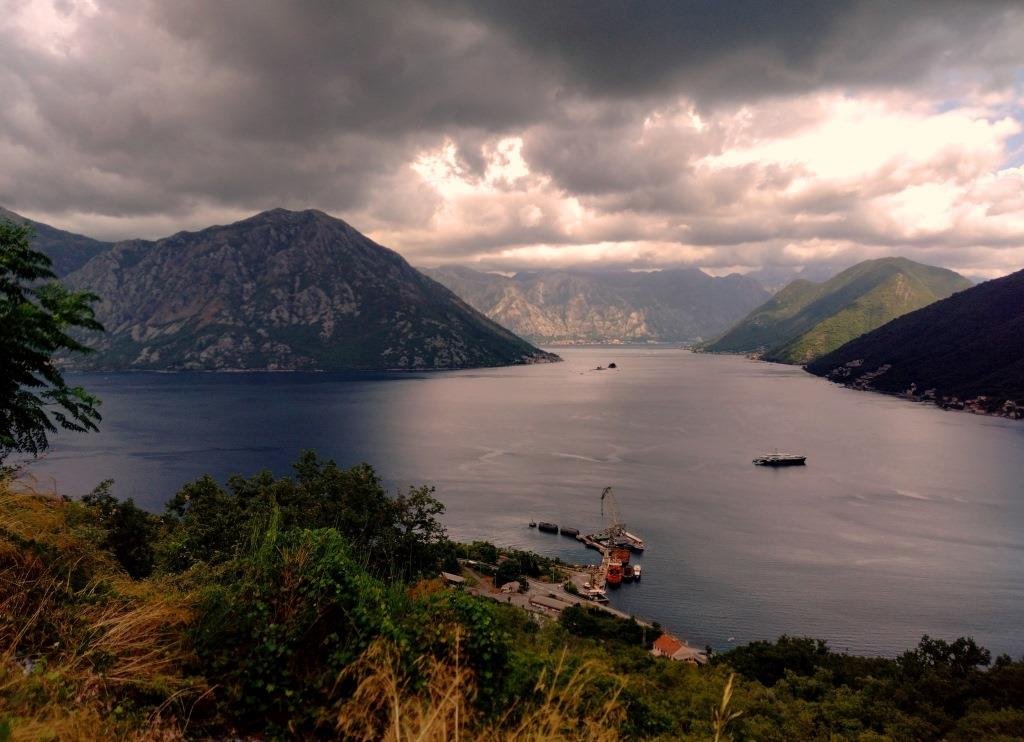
<point>85,652</point>
<point>440,706</point>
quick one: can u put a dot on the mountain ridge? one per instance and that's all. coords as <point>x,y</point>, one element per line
<point>965,351</point>
<point>281,290</point>
<point>805,320</point>
<point>574,306</point>
<point>67,250</point>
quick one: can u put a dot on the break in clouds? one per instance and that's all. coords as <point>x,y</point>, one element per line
<point>528,134</point>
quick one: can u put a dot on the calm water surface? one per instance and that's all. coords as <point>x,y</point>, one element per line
<point>907,520</point>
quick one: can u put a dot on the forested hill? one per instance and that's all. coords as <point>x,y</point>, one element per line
<point>566,306</point>
<point>955,351</point>
<point>806,320</point>
<point>281,290</point>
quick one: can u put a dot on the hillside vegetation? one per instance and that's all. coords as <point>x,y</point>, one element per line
<point>806,320</point>
<point>967,350</point>
<point>308,606</point>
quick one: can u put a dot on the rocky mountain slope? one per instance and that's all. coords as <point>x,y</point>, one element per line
<point>282,290</point>
<point>967,350</point>
<point>67,250</point>
<point>620,306</point>
<point>806,320</point>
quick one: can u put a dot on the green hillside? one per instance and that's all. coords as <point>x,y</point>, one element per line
<point>967,350</point>
<point>806,320</point>
<point>311,607</point>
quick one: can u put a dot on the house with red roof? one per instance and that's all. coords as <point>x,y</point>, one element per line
<point>669,646</point>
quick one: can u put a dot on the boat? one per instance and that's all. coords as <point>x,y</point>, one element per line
<point>632,541</point>
<point>573,532</point>
<point>596,595</point>
<point>636,572</point>
<point>614,574</point>
<point>780,459</point>
<point>628,575</point>
<point>533,524</point>
<point>547,527</point>
<point>615,533</point>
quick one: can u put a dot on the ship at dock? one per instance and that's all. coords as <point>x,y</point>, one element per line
<point>616,545</point>
<point>780,459</point>
<point>615,535</point>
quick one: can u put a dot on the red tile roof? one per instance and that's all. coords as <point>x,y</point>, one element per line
<point>668,644</point>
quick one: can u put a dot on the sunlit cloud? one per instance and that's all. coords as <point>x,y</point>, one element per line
<point>466,133</point>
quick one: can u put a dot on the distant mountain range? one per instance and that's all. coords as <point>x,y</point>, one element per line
<point>281,290</point>
<point>554,307</point>
<point>964,351</point>
<point>806,320</point>
<point>67,250</point>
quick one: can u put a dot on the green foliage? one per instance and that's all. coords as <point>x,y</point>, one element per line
<point>593,623</point>
<point>969,345</point>
<point>480,551</point>
<point>806,320</point>
<point>768,662</point>
<point>278,629</point>
<point>392,538</point>
<point>36,315</point>
<point>130,531</point>
<point>508,570</point>
<point>286,593</point>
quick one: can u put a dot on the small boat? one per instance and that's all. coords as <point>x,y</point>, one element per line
<point>572,532</point>
<point>628,574</point>
<point>636,572</point>
<point>614,575</point>
<point>533,524</point>
<point>780,459</point>
<point>547,527</point>
<point>596,595</point>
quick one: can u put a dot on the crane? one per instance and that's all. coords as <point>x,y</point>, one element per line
<point>614,527</point>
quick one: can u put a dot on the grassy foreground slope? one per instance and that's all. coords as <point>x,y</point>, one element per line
<point>308,607</point>
<point>963,348</point>
<point>806,320</point>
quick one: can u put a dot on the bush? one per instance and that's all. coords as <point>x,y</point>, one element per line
<point>276,636</point>
<point>130,531</point>
<point>594,623</point>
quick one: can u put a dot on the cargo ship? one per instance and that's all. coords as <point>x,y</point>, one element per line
<point>780,459</point>
<point>613,576</point>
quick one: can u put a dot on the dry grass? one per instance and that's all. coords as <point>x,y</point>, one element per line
<point>79,640</point>
<point>386,706</point>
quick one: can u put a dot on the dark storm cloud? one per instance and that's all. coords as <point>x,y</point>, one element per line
<point>735,50</point>
<point>140,113</point>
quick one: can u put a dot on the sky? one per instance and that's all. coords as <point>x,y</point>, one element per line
<point>730,136</point>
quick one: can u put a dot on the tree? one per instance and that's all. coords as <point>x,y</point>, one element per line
<point>131,531</point>
<point>36,313</point>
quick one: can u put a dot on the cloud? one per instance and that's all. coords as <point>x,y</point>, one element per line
<point>530,133</point>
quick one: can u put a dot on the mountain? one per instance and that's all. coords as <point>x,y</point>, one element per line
<point>806,320</point>
<point>67,250</point>
<point>964,350</point>
<point>281,290</point>
<point>616,306</point>
<point>776,277</point>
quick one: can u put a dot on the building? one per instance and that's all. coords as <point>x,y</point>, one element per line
<point>676,649</point>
